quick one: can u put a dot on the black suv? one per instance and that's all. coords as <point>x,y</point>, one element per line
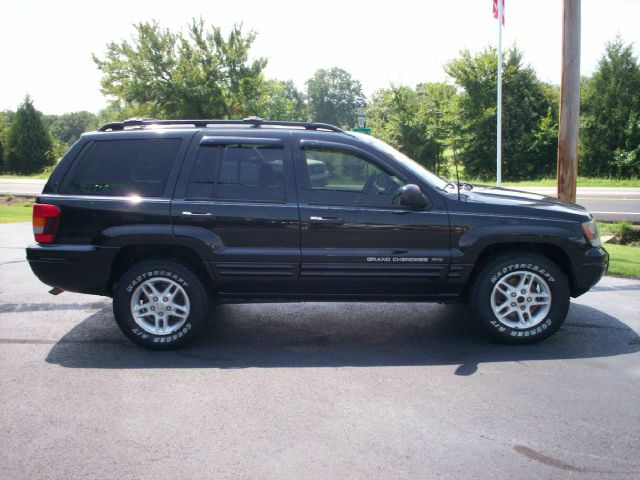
<point>171,217</point>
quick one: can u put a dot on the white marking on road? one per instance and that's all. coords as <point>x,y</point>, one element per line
<point>619,213</point>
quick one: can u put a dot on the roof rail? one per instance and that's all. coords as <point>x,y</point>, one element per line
<point>253,121</point>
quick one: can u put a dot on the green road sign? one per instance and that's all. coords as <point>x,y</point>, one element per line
<point>362,130</point>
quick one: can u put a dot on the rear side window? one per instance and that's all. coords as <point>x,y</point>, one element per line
<point>123,167</point>
<point>238,172</point>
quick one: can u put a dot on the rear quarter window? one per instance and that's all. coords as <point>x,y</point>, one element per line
<point>122,167</point>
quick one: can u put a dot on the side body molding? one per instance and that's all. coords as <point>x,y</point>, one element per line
<point>125,235</point>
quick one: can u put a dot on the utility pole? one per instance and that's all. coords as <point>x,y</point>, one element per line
<point>569,102</point>
<point>500,9</point>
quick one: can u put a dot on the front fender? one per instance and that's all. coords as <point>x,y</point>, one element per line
<point>469,244</point>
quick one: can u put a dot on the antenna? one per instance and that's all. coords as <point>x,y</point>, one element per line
<point>455,164</point>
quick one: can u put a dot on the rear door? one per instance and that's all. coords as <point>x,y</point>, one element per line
<point>355,237</point>
<point>237,196</point>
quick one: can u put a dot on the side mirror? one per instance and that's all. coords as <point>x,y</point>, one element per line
<point>411,196</point>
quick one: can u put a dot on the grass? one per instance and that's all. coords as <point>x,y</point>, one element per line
<point>15,213</point>
<point>43,175</point>
<point>624,248</point>
<point>37,176</point>
<point>624,232</point>
<point>15,209</point>
<point>624,260</point>
<point>552,182</point>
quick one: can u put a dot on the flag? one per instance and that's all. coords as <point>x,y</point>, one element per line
<point>495,10</point>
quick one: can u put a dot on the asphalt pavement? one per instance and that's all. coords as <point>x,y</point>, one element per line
<point>313,391</point>
<point>20,186</point>
<point>607,204</point>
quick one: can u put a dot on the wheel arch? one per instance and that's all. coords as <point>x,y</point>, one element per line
<point>129,256</point>
<point>553,252</point>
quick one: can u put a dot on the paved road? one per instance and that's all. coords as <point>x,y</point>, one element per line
<point>21,187</point>
<point>610,204</point>
<point>313,391</point>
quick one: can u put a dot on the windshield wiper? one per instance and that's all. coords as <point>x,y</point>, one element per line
<point>462,185</point>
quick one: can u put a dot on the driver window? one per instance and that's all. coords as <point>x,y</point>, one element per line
<point>337,177</point>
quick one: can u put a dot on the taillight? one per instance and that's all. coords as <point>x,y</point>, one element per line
<point>45,222</point>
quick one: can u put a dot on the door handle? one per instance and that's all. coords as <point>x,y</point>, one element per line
<point>197,214</point>
<point>325,220</point>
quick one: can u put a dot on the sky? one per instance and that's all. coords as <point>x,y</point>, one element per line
<point>46,46</point>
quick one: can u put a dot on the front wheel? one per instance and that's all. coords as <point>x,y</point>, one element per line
<point>160,304</point>
<point>520,298</point>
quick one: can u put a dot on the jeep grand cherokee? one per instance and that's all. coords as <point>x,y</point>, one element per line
<point>171,217</point>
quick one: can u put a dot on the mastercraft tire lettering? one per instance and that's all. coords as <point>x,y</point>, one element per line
<point>160,304</point>
<point>520,298</point>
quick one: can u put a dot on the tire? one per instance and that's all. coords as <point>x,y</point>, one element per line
<point>170,301</point>
<point>527,314</point>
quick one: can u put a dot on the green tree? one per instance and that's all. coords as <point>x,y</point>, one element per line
<point>3,128</point>
<point>116,110</point>
<point>417,122</point>
<point>281,100</point>
<point>6,117</point>
<point>28,144</point>
<point>527,121</point>
<point>334,97</point>
<point>199,74</point>
<point>439,114</point>
<point>68,127</point>
<point>610,128</point>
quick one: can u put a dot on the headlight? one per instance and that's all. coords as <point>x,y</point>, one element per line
<point>590,230</point>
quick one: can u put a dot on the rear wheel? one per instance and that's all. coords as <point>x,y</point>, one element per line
<point>160,304</point>
<point>520,298</point>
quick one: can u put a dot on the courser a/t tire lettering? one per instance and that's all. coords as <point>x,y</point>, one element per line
<point>519,298</point>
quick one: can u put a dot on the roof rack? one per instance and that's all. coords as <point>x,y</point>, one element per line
<point>253,121</point>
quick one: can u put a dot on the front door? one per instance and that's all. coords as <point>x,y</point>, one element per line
<point>355,237</point>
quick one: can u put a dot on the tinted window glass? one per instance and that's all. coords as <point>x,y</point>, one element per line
<point>344,178</point>
<point>202,179</point>
<point>123,167</point>
<point>238,172</point>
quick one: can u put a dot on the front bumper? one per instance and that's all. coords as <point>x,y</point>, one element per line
<point>75,268</point>
<point>589,269</point>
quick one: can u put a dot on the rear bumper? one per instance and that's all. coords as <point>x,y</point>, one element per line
<point>589,269</point>
<point>75,268</point>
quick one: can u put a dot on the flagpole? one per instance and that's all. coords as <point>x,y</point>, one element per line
<point>499,109</point>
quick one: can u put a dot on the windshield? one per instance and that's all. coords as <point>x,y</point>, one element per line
<point>412,165</point>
